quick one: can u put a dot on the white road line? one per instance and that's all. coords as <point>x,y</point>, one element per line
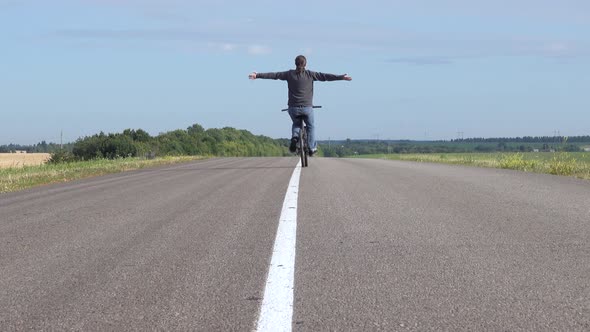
<point>276,312</point>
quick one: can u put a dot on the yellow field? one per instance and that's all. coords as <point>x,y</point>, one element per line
<point>8,160</point>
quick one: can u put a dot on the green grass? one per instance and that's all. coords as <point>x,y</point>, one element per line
<point>14,179</point>
<point>563,163</point>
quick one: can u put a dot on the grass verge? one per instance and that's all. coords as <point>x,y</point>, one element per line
<point>575,164</point>
<point>14,179</point>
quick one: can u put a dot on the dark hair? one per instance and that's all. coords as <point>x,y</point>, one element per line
<point>300,63</point>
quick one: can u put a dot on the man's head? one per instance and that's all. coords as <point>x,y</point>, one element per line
<point>300,63</point>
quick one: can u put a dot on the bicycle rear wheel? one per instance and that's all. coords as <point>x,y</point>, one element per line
<point>303,147</point>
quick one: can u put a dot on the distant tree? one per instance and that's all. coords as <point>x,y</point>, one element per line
<point>571,148</point>
<point>484,148</point>
<point>195,130</point>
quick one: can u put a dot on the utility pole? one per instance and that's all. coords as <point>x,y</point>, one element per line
<point>61,140</point>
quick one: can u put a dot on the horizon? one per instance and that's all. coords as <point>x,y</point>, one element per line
<point>456,139</point>
<point>421,71</point>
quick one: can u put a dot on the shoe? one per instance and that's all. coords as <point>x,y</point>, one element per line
<point>293,146</point>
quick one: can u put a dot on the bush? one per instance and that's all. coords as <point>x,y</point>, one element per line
<point>516,161</point>
<point>106,146</point>
<point>60,157</point>
<point>563,164</point>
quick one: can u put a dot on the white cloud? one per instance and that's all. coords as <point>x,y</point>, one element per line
<point>307,51</point>
<point>423,60</point>
<point>557,47</point>
<point>258,49</point>
<point>228,47</point>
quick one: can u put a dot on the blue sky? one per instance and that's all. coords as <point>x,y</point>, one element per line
<point>421,69</point>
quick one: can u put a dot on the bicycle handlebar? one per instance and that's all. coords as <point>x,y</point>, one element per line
<point>286,109</point>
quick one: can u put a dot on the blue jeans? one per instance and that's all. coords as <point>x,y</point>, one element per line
<point>305,113</point>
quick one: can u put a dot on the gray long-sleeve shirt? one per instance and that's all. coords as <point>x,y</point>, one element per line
<point>300,84</point>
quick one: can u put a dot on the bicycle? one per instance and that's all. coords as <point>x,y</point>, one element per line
<point>303,144</point>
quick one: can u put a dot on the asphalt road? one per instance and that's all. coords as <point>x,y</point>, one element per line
<point>381,245</point>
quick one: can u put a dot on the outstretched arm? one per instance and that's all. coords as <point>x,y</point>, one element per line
<point>273,76</point>
<point>317,76</point>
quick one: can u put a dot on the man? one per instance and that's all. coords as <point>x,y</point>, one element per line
<point>300,83</point>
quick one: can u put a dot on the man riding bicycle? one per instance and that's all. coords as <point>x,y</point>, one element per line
<point>300,83</point>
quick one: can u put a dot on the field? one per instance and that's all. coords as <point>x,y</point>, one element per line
<point>8,160</point>
<point>563,163</point>
<point>18,178</point>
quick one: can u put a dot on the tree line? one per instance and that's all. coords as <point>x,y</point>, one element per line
<point>42,147</point>
<point>528,139</point>
<point>195,140</point>
<point>228,141</point>
<point>361,147</point>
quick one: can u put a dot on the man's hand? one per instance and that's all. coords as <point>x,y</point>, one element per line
<point>252,76</point>
<point>347,78</point>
